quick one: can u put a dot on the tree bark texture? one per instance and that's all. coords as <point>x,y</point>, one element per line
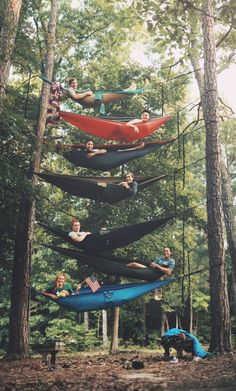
<point>20,293</point>
<point>114,340</point>
<point>164,322</point>
<point>86,321</point>
<point>104,329</point>
<point>21,275</point>
<point>7,43</point>
<point>228,206</point>
<point>230,225</point>
<point>144,325</point>
<point>220,331</point>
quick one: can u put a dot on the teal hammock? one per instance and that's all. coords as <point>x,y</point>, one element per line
<point>108,296</point>
<point>98,96</point>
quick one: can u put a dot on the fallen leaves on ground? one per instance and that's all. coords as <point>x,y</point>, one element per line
<point>115,372</point>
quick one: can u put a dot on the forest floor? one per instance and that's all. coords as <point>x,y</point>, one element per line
<point>115,373</point>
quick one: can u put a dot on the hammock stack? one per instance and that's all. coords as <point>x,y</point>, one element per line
<point>90,251</point>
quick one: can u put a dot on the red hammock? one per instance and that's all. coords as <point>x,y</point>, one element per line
<point>111,130</point>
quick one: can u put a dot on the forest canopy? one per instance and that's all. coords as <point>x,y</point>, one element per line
<point>94,42</point>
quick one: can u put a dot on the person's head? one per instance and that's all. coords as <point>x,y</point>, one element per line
<point>145,116</point>
<point>75,225</point>
<point>89,145</point>
<point>167,252</point>
<point>60,280</point>
<point>129,177</point>
<point>73,83</point>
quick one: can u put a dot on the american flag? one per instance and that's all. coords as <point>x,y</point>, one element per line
<point>93,283</point>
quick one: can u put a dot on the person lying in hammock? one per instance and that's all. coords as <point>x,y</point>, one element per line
<point>89,99</point>
<point>165,263</point>
<point>145,116</point>
<point>60,288</point>
<point>90,151</point>
<point>76,234</point>
<point>129,184</point>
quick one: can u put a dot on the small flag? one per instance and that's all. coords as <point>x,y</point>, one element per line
<point>93,283</point>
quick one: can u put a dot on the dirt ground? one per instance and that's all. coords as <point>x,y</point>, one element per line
<point>116,372</point>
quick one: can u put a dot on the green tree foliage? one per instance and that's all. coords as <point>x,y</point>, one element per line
<point>75,337</point>
<point>83,50</point>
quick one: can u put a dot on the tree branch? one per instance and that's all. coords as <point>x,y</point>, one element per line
<point>224,37</point>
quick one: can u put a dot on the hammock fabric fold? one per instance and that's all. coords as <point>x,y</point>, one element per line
<point>109,240</point>
<point>112,159</point>
<point>104,189</point>
<point>111,265</point>
<point>108,296</point>
<point>111,130</point>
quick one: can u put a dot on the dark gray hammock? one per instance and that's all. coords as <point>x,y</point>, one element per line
<point>104,189</point>
<point>109,240</point>
<point>111,265</point>
<point>77,155</point>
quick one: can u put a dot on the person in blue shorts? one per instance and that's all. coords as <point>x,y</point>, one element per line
<point>165,263</point>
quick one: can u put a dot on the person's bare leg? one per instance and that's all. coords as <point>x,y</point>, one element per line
<point>131,87</point>
<point>113,97</point>
<point>136,265</point>
<point>110,98</point>
<point>140,146</point>
<point>88,101</point>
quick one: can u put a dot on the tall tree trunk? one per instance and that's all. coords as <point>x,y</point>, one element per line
<point>228,206</point>
<point>114,340</point>
<point>196,323</point>
<point>7,43</point>
<point>176,320</point>
<point>86,321</point>
<point>220,331</point>
<point>164,322</point>
<point>230,225</point>
<point>144,325</point>
<point>190,311</point>
<point>21,275</point>
<point>104,329</point>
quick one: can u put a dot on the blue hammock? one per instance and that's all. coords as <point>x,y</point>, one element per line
<point>108,296</point>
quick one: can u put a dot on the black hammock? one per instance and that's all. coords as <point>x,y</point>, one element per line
<point>113,158</point>
<point>104,189</point>
<point>111,265</point>
<point>109,240</point>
